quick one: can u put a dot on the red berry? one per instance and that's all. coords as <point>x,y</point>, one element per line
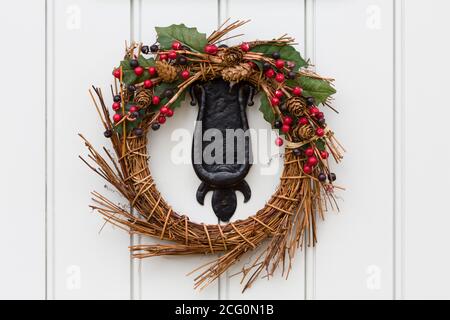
<point>324,154</point>
<point>279,141</point>
<point>314,110</point>
<point>161,119</point>
<point>279,63</point>
<point>275,101</point>
<point>155,100</point>
<point>251,64</point>
<point>138,71</point>
<point>152,71</point>
<point>320,132</point>
<point>269,73</point>
<point>287,120</point>
<point>307,169</point>
<point>185,74</point>
<point>279,94</point>
<point>117,117</point>
<point>309,152</point>
<point>312,161</point>
<point>163,110</point>
<point>245,47</point>
<point>211,49</point>
<point>169,113</point>
<point>148,83</point>
<point>116,106</point>
<point>285,128</point>
<point>133,109</point>
<point>172,55</point>
<point>116,73</point>
<point>303,121</point>
<point>279,77</point>
<point>319,115</point>
<point>163,57</point>
<point>297,91</point>
<point>176,45</point>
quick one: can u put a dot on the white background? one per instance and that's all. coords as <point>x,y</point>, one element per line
<point>390,61</point>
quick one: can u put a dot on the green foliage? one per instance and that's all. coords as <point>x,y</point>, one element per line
<point>287,53</point>
<point>266,109</point>
<point>185,35</point>
<point>129,77</point>
<point>319,89</point>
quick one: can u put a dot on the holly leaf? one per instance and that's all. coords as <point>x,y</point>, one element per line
<point>287,53</point>
<point>319,89</point>
<point>180,99</point>
<point>266,109</point>
<point>320,144</point>
<point>129,77</point>
<point>179,32</point>
<point>145,63</point>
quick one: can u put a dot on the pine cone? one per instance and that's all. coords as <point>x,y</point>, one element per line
<point>304,132</point>
<point>296,106</point>
<point>233,56</point>
<point>166,72</point>
<point>143,98</point>
<point>237,73</point>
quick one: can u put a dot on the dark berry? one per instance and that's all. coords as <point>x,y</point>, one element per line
<point>278,124</point>
<point>322,122</point>
<point>134,63</point>
<point>297,152</point>
<point>168,93</point>
<point>283,108</point>
<point>181,60</point>
<point>291,75</point>
<point>108,133</point>
<point>138,132</point>
<point>332,176</point>
<point>145,49</point>
<point>266,66</point>
<point>154,48</point>
<point>155,126</point>
<point>322,177</point>
<point>135,114</point>
<point>276,55</point>
<point>131,88</point>
<point>310,101</point>
<point>117,98</point>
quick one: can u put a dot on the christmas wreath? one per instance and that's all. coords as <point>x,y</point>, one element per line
<point>150,84</point>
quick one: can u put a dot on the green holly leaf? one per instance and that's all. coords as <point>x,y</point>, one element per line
<point>145,63</point>
<point>180,99</point>
<point>287,53</point>
<point>266,109</point>
<point>319,89</point>
<point>179,32</point>
<point>320,144</point>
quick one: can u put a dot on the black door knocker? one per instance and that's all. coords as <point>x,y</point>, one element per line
<point>221,149</point>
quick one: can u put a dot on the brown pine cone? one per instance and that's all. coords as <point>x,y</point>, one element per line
<point>296,106</point>
<point>143,98</point>
<point>237,73</point>
<point>304,132</point>
<point>233,56</point>
<point>166,72</point>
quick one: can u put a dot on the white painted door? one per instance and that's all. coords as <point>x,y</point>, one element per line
<point>390,61</point>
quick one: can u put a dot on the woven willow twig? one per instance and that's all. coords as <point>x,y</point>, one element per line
<point>287,216</point>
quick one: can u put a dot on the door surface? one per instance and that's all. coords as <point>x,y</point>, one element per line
<point>390,63</point>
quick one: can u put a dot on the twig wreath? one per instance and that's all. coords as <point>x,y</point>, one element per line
<point>150,84</point>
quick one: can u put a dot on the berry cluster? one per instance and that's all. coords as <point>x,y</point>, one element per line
<point>154,80</point>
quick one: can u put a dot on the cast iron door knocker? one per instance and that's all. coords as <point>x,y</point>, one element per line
<point>221,148</point>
